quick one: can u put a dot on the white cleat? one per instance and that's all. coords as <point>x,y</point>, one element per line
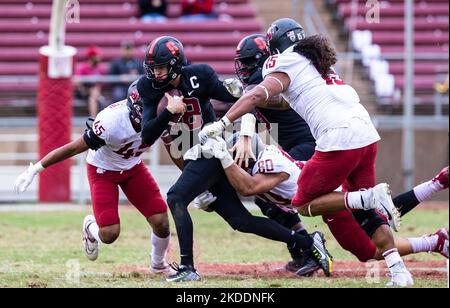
<point>383,203</point>
<point>90,245</point>
<point>163,268</point>
<point>442,242</point>
<point>401,278</point>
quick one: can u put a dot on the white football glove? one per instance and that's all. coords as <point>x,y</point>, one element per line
<point>218,148</point>
<point>203,201</point>
<point>234,86</point>
<point>24,180</point>
<point>213,130</point>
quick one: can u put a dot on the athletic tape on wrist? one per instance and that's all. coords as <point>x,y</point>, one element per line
<point>248,125</point>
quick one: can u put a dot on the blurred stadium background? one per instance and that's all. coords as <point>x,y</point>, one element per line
<point>371,58</point>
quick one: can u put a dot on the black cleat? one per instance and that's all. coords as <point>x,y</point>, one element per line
<point>320,253</point>
<point>309,266</point>
<point>294,265</point>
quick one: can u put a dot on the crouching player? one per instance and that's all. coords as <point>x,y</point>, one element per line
<point>114,148</point>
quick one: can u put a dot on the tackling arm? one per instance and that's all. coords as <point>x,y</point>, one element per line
<point>273,85</point>
<point>248,185</point>
<point>66,151</point>
<point>71,149</point>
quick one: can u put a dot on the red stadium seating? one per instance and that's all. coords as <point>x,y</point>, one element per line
<point>431,39</point>
<point>24,28</point>
<point>131,26</point>
<point>116,11</point>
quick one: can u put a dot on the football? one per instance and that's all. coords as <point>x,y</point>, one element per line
<point>163,104</point>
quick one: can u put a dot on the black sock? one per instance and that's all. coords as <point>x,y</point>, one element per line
<point>406,202</point>
<point>183,224</point>
<point>303,232</point>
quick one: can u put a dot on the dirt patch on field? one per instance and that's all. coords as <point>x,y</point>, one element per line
<point>342,269</point>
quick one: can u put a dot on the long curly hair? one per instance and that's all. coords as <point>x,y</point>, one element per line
<point>319,50</point>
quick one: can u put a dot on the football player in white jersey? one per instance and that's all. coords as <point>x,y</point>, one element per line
<point>273,178</point>
<point>114,159</point>
<point>301,70</point>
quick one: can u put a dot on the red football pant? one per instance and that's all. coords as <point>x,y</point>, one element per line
<point>326,171</point>
<point>350,236</point>
<point>138,185</point>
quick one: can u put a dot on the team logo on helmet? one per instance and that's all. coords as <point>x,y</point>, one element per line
<point>291,35</point>
<point>262,45</point>
<point>271,32</point>
<point>173,48</point>
<point>135,96</point>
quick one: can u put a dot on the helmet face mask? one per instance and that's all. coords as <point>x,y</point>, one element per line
<point>245,68</point>
<point>164,51</point>
<point>134,104</point>
<point>250,56</point>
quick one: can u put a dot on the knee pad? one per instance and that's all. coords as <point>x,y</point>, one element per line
<point>370,221</point>
<point>176,204</point>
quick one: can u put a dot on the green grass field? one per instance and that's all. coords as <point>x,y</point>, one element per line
<point>38,249</point>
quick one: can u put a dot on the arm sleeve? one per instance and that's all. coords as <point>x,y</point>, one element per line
<point>97,134</point>
<point>92,140</point>
<point>152,125</point>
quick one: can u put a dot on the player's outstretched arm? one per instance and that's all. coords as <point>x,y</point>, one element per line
<point>244,183</point>
<point>273,85</point>
<point>248,185</point>
<point>66,151</point>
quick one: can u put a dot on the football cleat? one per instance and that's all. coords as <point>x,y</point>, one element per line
<point>90,245</point>
<point>400,277</point>
<point>183,273</point>
<point>308,267</point>
<point>163,268</point>
<point>442,243</point>
<point>382,201</point>
<point>442,178</point>
<point>320,253</point>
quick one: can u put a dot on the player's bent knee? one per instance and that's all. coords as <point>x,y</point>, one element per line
<point>109,234</point>
<point>160,224</point>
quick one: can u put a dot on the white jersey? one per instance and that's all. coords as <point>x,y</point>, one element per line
<point>124,147</point>
<point>275,160</point>
<point>331,108</point>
